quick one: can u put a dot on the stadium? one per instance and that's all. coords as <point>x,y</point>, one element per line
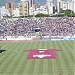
<point>37,46</point>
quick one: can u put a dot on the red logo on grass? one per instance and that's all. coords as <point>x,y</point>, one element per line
<point>42,54</point>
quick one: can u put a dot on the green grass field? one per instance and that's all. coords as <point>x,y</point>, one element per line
<point>14,60</point>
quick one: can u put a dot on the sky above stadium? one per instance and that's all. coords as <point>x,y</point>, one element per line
<point>41,2</point>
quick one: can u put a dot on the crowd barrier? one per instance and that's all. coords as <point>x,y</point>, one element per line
<point>44,38</point>
<point>54,38</point>
<point>16,38</point>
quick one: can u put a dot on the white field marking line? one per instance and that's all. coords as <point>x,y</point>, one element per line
<point>42,49</point>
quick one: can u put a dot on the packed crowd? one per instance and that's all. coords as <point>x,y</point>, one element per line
<point>61,26</point>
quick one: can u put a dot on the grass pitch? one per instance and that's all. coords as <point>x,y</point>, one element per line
<point>14,60</point>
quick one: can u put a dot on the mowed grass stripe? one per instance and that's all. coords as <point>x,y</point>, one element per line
<point>27,67</point>
<point>16,54</point>
<point>54,67</point>
<point>67,60</point>
<point>68,55</point>
<point>63,65</point>
<point>71,43</point>
<point>7,71</point>
<point>56,45</point>
<point>24,59</point>
<point>59,65</point>
<point>66,65</point>
<point>40,69</point>
<point>37,70</point>
<point>19,59</point>
<point>9,60</point>
<point>2,59</point>
<point>21,63</point>
<point>32,62</point>
<point>25,71</point>
<point>46,69</point>
<point>6,57</point>
<point>45,61</point>
<point>36,64</point>
<point>71,60</point>
<point>65,49</point>
<point>74,56</point>
<point>31,68</point>
<point>2,56</point>
<point>53,61</point>
<point>70,51</point>
<point>58,58</point>
<point>50,68</point>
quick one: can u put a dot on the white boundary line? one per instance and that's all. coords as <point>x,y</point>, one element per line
<point>42,49</point>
